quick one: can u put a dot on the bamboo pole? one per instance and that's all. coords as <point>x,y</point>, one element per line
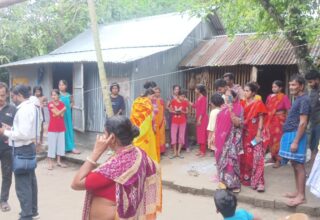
<point>7,3</point>
<point>102,72</point>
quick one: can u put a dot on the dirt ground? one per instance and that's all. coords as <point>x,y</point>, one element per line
<point>58,201</point>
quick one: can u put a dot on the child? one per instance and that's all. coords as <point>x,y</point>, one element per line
<point>179,110</point>
<point>216,103</point>
<point>226,204</point>
<point>56,140</point>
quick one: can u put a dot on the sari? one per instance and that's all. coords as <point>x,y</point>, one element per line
<point>69,135</point>
<point>201,110</point>
<point>274,122</point>
<point>142,117</point>
<point>137,180</point>
<point>252,161</point>
<point>161,127</point>
<point>228,142</point>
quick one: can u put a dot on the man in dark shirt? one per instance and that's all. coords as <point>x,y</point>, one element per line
<point>7,113</point>
<point>117,101</point>
<point>313,78</point>
<point>293,144</point>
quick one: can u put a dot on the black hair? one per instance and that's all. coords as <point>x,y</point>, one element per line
<point>37,88</point>
<point>234,94</point>
<point>149,91</point>
<point>312,75</point>
<point>64,82</point>
<point>299,79</point>
<point>219,83</point>
<point>184,92</point>
<point>253,86</point>
<point>217,100</point>
<point>21,89</point>
<point>202,89</point>
<point>4,85</point>
<point>122,128</point>
<point>229,75</point>
<point>149,84</point>
<point>279,83</point>
<point>56,91</point>
<point>175,86</point>
<point>226,202</point>
<point>113,85</point>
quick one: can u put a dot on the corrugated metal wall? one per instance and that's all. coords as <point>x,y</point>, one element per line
<point>208,75</point>
<point>159,67</point>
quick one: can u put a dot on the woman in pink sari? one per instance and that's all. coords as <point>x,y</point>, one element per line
<point>201,118</point>
<point>127,185</point>
<point>228,142</point>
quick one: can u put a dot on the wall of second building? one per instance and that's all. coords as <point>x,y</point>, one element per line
<point>29,74</point>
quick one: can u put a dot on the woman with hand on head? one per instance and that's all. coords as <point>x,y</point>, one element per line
<point>127,185</point>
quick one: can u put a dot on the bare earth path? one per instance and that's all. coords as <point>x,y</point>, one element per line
<point>58,202</point>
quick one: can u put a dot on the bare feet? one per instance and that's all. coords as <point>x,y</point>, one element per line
<point>260,188</point>
<point>290,195</point>
<point>5,207</point>
<point>50,167</point>
<point>277,164</point>
<point>295,201</point>
<point>75,151</point>
<point>270,161</point>
<point>222,185</point>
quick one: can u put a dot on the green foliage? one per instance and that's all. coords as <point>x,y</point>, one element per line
<point>37,27</point>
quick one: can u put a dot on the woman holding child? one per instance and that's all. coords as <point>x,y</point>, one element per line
<point>228,143</point>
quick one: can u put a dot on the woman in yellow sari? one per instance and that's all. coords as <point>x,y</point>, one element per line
<point>160,122</point>
<point>142,117</point>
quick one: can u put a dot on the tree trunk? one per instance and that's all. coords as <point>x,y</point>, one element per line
<point>296,37</point>
<point>6,3</point>
<point>102,72</point>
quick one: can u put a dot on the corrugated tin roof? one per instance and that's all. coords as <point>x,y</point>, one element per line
<point>244,49</point>
<point>112,55</point>
<point>124,41</point>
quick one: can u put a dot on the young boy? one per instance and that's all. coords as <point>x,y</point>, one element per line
<point>226,204</point>
<point>216,103</point>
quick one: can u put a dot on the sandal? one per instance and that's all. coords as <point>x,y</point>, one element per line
<point>173,156</point>
<point>276,165</point>
<point>180,156</point>
<point>5,207</point>
<point>236,190</point>
<point>75,151</point>
<point>222,185</point>
<point>260,188</point>
<point>50,167</point>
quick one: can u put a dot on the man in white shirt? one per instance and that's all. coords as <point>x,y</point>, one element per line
<point>21,137</point>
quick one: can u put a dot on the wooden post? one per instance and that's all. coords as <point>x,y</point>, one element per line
<point>102,72</point>
<point>7,3</point>
<point>254,74</point>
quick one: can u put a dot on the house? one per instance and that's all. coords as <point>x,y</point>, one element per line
<point>133,51</point>
<point>250,57</point>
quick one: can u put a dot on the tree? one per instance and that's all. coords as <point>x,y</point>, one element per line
<point>297,20</point>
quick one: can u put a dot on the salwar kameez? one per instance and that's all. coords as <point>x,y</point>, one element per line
<point>69,135</point>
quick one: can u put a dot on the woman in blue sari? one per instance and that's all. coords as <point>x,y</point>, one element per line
<point>67,100</point>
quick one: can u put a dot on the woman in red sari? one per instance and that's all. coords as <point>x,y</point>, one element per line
<point>252,161</point>
<point>277,105</point>
<point>201,118</point>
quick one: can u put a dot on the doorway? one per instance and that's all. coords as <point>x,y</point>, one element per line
<point>62,72</point>
<point>267,75</point>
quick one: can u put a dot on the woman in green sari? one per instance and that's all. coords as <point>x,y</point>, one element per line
<point>67,100</point>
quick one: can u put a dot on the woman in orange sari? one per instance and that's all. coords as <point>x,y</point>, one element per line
<point>252,161</point>
<point>277,105</point>
<point>142,117</point>
<point>159,120</point>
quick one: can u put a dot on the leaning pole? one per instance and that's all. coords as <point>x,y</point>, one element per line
<point>102,71</point>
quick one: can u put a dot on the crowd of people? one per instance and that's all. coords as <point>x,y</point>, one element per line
<point>240,129</point>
